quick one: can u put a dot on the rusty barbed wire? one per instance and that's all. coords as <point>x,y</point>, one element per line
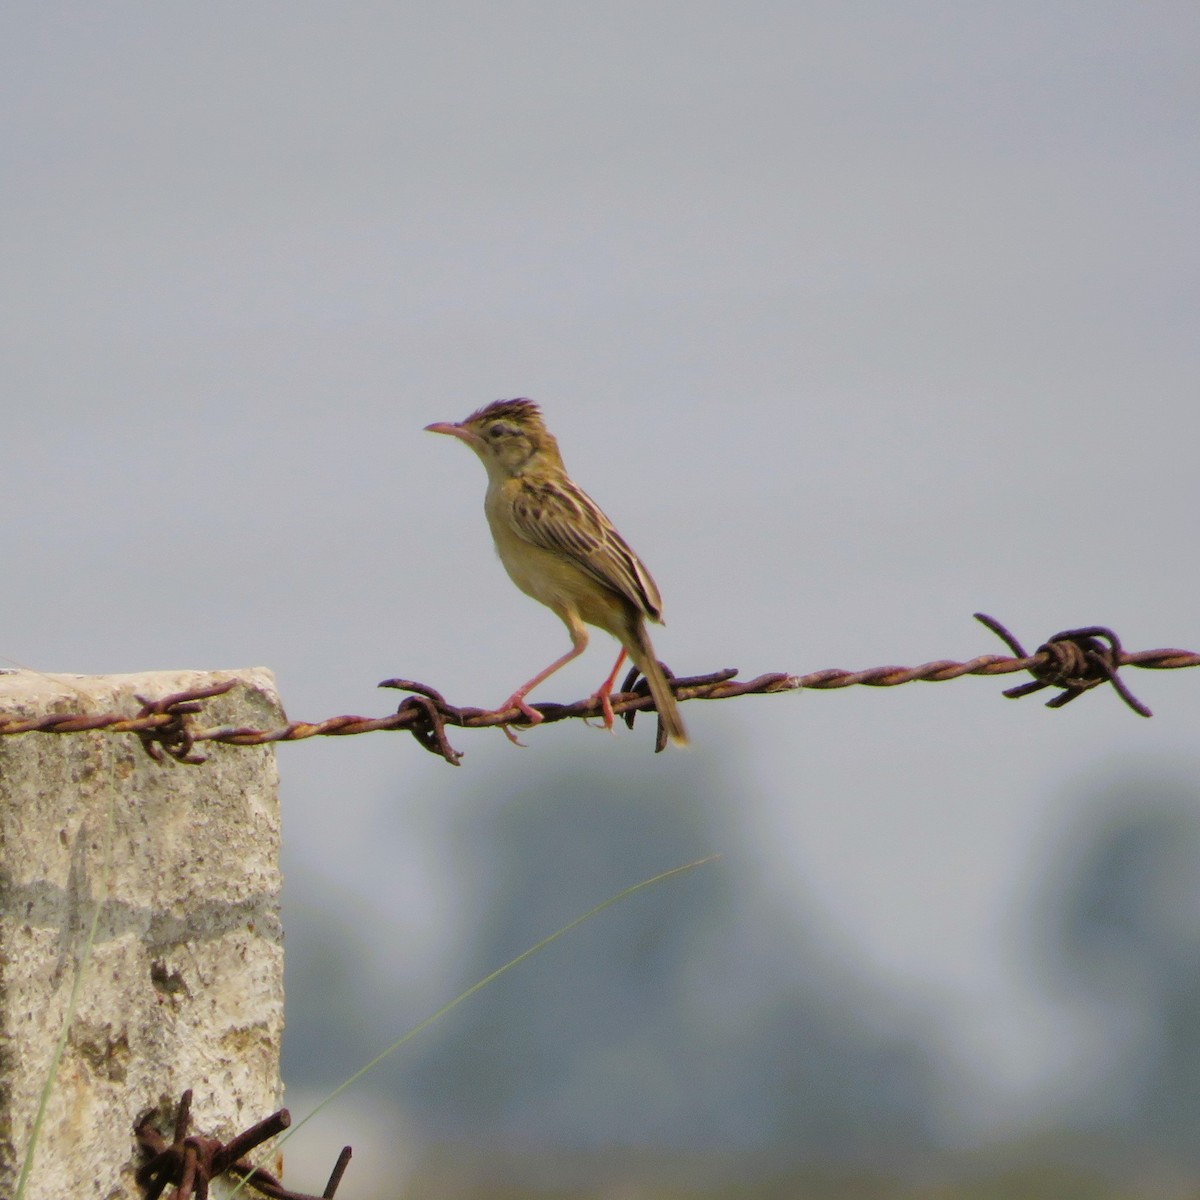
<point>191,1163</point>
<point>1075,660</point>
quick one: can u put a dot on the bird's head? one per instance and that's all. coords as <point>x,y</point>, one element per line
<point>508,435</point>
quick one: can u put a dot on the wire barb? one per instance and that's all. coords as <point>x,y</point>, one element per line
<point>637,683</point>
<point>191,1163</point>
<point>429,712</point>
<point>1075,660</point>
<point>173,736</point>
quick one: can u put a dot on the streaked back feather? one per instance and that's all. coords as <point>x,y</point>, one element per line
<point>557,515</point>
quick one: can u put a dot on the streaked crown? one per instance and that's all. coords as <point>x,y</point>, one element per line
<point>511,436</point>
<point>520,411</point>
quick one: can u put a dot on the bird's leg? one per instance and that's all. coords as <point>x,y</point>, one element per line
<point>604,695</point>
<point>579,643</point>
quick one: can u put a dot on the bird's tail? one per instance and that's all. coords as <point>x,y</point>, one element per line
<point>641,652</point>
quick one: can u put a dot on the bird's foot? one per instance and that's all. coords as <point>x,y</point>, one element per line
<point>531,715</point>
<point>606,710</point>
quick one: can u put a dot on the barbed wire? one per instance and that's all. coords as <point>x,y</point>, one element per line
<point>1075,661</point>
<point>192,1162</point>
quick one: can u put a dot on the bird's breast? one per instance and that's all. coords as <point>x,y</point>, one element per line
<point>551,578</point>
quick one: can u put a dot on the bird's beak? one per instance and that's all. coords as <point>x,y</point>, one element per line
<point>464,435</point>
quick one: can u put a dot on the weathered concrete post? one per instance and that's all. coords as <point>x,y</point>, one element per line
<point>183,984</point>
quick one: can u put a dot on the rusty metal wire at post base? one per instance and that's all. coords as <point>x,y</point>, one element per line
<point>1076,660</point>
<point>190,1163</point>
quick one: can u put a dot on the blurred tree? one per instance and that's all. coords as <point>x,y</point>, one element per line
<point>698,1015</point>
<point>1122,924</point>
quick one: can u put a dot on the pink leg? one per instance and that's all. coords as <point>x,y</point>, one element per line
<point>604,695</point>
<point>579,643</point>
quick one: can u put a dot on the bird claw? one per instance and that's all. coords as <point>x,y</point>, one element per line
<point>606,713</point>
<point>531,715</point>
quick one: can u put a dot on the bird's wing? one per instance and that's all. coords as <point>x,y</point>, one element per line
<point>558,516</point>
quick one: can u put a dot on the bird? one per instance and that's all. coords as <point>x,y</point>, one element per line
<point>558,547</point>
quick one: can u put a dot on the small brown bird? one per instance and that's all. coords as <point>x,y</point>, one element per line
<point>558,547</point>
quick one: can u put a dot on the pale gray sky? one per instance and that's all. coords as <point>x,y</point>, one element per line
<point>856,318</point>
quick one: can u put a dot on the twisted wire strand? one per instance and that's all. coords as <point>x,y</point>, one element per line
<point>1075,661</point>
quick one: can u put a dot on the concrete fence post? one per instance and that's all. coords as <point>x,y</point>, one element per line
<point>177,866</point>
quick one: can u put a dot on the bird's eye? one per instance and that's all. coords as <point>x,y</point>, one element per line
<point>497,430</point>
